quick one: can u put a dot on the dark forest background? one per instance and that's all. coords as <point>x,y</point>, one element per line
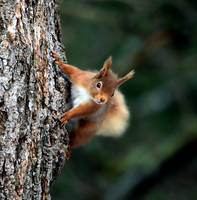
<point>156,159</point>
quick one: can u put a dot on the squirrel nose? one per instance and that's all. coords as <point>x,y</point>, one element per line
<point>102,99</point>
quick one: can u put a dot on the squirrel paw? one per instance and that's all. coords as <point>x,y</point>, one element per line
<point>64,119</point>
<point>56,56</point>
<point>57,61</point>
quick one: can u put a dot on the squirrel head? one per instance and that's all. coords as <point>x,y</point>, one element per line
<point>105,82</point>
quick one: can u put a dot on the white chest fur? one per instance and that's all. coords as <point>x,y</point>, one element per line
<point>79,95</point>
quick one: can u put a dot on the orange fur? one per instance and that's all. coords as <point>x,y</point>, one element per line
<point>98,106</point>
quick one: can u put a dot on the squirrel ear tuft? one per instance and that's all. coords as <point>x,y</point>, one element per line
<point>103,72</point>
<point>107,63</point>
<point>125,78</point>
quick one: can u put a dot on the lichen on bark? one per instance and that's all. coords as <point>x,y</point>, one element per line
<point>33,144</point>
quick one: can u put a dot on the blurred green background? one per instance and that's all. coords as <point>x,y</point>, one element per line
<point>156,158</point>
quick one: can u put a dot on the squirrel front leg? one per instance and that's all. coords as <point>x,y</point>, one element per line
<point>67,69</point>
<point>81,110</point>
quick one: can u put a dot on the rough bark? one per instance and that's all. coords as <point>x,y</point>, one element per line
<point>33,144</point>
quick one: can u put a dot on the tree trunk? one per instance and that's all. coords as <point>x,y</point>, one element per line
<point>33,144</point>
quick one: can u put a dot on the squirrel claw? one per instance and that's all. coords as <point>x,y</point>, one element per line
<point>64,119</point>
<point>56,62</point>
<point>55,55</point>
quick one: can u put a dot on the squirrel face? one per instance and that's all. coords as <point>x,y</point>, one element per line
<point>105,82</point>
<point>103,88</point>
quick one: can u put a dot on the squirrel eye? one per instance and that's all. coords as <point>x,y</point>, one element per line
<point>98,85</point>
<point>112,95</point>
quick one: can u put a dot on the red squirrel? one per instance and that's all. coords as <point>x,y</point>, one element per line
<point>97,103</point>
